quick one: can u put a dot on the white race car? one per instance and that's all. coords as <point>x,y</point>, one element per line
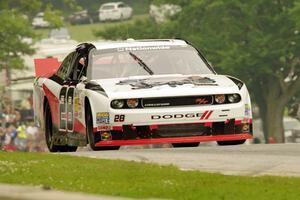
<point>138,92</point>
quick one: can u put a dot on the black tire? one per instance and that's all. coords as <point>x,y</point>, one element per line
<point>71,148</point>
<point>49,134</point>
<point>180,145</point>
<point>233,142</point>
<point>90,134</point>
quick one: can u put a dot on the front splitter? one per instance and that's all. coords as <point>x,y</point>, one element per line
<point>227,137</point>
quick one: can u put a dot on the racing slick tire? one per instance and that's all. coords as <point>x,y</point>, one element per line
<point>180,145</point>
<point>233,142</point>
<point>90,134</point>
<point>49,134</point>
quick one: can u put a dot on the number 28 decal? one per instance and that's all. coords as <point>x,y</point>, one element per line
<point>119,118</point>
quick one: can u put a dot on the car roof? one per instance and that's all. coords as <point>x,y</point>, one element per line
<point>139,43</point>
<point>112,3</point>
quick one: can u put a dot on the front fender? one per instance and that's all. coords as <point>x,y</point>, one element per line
<point>99,103</point>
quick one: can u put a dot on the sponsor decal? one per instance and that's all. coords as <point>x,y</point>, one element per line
<point>156,104</point>
<point>247,110</point>
<point>103,128</point>
<point>76,105</point>
<point>102,118</point>
<point>143,48</point>
<point>106,136</point>
<point>245,127</point>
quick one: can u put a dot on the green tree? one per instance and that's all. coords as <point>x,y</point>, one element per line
<point>13,31</point>
<point>15,17</point>
<point>255,40</point>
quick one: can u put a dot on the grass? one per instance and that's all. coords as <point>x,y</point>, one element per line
<point>138,180</point>
<point>85,32</point>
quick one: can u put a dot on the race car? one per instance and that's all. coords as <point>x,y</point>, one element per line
<point>138,92</point>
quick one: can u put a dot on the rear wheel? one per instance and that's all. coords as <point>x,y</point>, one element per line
<point>233,142</point>
<point>90,134</point>
<point>49,134</point>
<point>180,145</point>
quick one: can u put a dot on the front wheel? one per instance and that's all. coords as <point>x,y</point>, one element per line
<point>233,142</point>
<point>180,145</point>
<point>91,135</point>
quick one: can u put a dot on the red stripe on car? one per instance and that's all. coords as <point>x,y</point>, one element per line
<point>229,137</point>
<point>153,127</point>
<point>208,115</point>
<point>117,128</point>
<point>202,117</point>
<point>53,103</point>
<point>208,124</point>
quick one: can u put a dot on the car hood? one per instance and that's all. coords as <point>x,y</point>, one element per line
<point>167,86</point>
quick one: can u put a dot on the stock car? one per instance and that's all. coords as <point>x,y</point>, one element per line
<point>137,92</point>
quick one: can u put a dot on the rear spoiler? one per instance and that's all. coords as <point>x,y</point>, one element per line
<point>46,67</point>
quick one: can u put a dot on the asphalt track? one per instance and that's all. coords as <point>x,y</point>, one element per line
<point>250,160</point>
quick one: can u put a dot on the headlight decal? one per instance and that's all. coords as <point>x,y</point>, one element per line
<point>117,104</point>
<point>132,103</point>
<point>233,98</point>
<point>220,99</point>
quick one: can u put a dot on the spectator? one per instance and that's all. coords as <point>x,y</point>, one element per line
<point>24,137</point>
<point>21,139</point>
<point>32,135</point>
<point>2,137</point>
<point>10,136</point>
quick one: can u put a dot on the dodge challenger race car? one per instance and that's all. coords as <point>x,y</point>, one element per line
<point>138,92</point>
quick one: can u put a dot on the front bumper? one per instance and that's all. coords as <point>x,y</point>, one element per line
<point>170,125</point>
<point>175,133</point>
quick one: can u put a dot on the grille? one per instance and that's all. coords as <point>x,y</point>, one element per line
<point>182,130</point>
<point>177,101</point>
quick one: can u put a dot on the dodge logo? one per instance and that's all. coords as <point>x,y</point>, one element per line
<point>176,116</point>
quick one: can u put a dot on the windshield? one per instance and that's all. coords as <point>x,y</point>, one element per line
<point>108,7</point>
<point>139,61</point>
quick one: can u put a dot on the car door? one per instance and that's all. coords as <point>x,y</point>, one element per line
<point>66,94</point>
<point>76,89</point>
<point>76,92</point>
